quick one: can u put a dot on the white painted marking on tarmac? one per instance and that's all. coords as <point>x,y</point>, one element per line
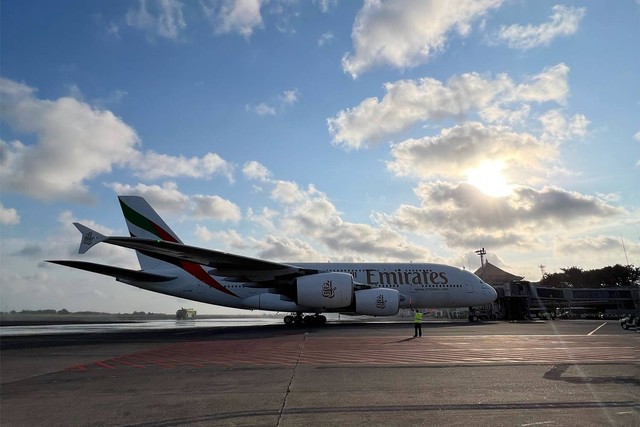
<point>592,332</point>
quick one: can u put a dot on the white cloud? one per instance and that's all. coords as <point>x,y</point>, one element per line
<point>466,217</point>
<point>504,116</point>
<point>597,250</point>
<point>406,34</point>
<point>234,16</point>
<point>586,245</point>
<point>161,18</point>
<point>289,97</point>
<point>312,217</point>
<point>165,198</point>
<point>286,249</point>
<point>9,216</point>
<point>168,198</point>
<point>75,143</point>
<point>456,150</point>
<point>564,21</point>
<point>285,14</point>
<point>229,238</point>
<point>215,207</point>
<point>265,218</point>
<point>309,215</point>
<point>326,38</point>
<point>277,105</point>
<point>287,192</point>
<point>271,247</point>
<point>151,165</point>
<point>550,85</point>
<point>256,170</point>
<point>609,197</point>
<point>315,217</point>
<point>408,102</point>
<point>326,5</point>
<point>557,128</point>
<point>263,109</point>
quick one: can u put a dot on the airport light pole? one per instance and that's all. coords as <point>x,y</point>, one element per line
<point>482,253</point>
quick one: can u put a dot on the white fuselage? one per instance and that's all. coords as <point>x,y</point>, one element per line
<point>419,286</point>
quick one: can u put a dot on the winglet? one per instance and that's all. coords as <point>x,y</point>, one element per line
<point>89,237</point>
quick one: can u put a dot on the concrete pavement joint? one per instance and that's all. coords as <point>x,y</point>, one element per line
<point>293,374</point>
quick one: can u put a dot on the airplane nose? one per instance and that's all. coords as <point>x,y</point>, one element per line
<point>492,292</point>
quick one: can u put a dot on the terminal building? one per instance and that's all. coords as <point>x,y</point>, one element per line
<point>520,299</point>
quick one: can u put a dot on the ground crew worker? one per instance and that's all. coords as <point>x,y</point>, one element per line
<point>418,324</point>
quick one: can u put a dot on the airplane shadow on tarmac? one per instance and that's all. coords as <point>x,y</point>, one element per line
<point>556,374</point>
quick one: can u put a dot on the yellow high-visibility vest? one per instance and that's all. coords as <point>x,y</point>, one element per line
<point>418,317</point>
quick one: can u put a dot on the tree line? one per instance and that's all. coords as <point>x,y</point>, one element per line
<point>92,313</point>
<point>606,277</point>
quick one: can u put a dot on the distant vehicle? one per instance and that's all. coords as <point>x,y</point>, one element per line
<point>630,321</point>
<point>374,289</point>
<point>186,314</point>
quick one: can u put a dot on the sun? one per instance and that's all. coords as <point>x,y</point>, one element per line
<point>489,179</point>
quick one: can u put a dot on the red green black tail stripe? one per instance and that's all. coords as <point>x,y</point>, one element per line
<point>145,223</point>
<point>192,268</point>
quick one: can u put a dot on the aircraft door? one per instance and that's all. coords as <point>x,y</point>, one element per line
<point>469,287</point>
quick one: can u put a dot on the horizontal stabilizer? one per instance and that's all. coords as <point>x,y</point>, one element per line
<point>117,272</point>
<point>89,237</point>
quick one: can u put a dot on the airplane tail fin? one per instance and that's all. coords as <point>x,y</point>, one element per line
<point>89,237</point>
<point>144,222</point>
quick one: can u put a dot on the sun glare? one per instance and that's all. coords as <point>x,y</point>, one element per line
<point>489,179</point>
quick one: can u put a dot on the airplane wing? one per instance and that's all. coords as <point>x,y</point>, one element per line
<point>117,272</point>
<point>224,264</point>
<point>230,266</point>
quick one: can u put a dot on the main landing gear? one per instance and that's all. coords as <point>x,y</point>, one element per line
<point>299,319</point>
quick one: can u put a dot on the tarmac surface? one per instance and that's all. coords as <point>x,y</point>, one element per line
<point>563,373</point>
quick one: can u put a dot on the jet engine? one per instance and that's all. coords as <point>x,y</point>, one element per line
<point>325,290</point>
<point>377,302</point>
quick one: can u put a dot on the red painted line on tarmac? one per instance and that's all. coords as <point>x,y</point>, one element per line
<point>133,365</point>
<point>104,365</point>
<point>283,352</point>
<point>153,361</point>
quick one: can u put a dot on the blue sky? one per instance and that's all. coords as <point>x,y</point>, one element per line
<point>317,130</point>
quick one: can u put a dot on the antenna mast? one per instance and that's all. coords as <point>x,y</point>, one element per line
<point>625,249</point>
<point>482,253</point>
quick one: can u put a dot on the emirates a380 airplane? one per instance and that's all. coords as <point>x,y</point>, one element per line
<point>376,289</point>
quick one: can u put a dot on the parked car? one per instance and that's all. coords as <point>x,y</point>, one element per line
<point>630,321</point>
